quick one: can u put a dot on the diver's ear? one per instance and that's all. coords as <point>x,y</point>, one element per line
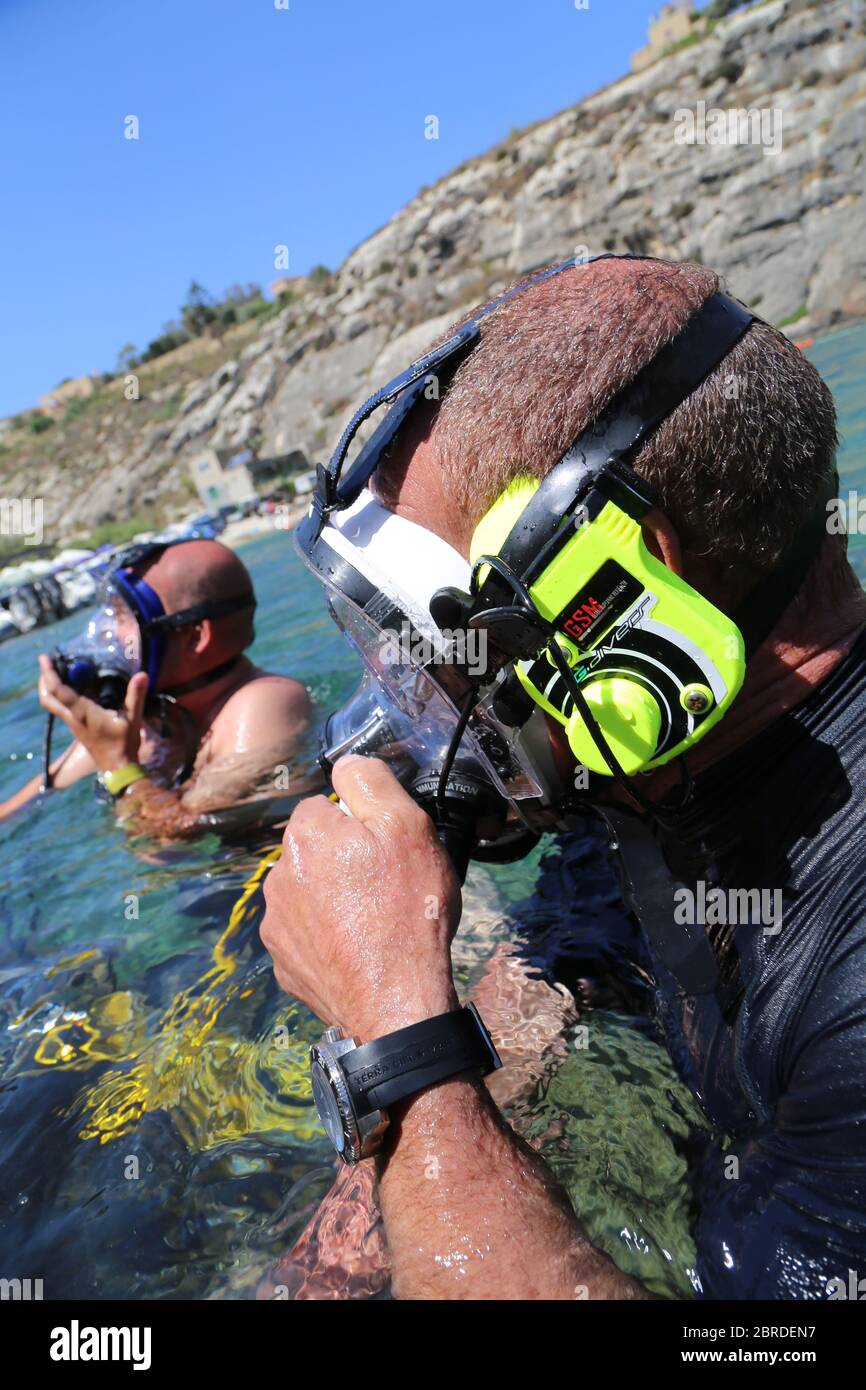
<point>203,633</point>
<point>195,636</point>
<point>662,541</point>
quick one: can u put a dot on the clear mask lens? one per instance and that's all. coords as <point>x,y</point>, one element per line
<point>419,714</point>
<point>372,724</point>
<point>112,639</point>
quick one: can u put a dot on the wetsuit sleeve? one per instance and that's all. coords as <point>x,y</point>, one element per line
<point>790,1216</point>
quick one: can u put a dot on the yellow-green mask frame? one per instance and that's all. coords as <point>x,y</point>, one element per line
<point>656,662</point>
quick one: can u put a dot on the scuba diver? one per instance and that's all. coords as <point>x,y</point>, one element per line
<point>162,703</point>
<point>618,479</point>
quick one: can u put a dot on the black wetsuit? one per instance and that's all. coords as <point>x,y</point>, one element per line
<point>776,1052</point>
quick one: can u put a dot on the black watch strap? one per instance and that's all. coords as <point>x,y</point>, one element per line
<point>381,1073</point>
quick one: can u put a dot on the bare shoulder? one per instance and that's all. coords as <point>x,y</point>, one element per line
<point>266,685</point>
<point>265,707</point>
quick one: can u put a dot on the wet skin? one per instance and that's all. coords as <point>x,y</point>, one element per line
<point>346,929</point>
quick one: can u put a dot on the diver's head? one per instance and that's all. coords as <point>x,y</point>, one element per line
<point>195,581</point>
<point>182,612</point>
<point>623,455</point>
<point>736,466</point>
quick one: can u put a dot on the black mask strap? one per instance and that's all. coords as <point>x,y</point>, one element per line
<point>218,608</point>
<point>761,610</point>
<point>603,452</point>
<point>199,682</point>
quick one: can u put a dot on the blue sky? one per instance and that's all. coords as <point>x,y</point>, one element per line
<point>258,126</point>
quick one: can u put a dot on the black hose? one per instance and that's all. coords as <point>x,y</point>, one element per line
<point>453,748</point>
<point>46,754</point>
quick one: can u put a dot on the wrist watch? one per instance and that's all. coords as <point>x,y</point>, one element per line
<point>117,781</point>
<point>354,1086</point>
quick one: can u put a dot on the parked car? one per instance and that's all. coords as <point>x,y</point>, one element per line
<point>205,527</point>
<point>8,625</point>
<point>230,511</point>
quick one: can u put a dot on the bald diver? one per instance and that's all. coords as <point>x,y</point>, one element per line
<point>163,704</point>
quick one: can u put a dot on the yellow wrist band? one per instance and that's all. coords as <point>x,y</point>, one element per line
<point>117,781</point>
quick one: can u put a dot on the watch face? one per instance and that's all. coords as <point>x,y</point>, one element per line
<point>326,1104</point>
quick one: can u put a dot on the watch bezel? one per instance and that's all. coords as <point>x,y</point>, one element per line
<point>362,1134</point>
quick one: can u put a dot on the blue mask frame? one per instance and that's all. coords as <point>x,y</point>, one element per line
<point>147,606</point>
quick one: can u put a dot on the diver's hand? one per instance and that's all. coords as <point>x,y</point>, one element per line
<point>361,909</point>
<point>111,737</point>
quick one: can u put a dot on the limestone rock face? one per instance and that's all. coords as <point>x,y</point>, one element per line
<point>779,211</point>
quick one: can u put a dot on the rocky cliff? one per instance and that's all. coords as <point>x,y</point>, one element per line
<point>785,226</point>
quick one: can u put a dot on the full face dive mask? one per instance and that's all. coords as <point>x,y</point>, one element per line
<point>127,633</point>
<point>101,661</point>
<point>563,608</point>
<point>418,688</point>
